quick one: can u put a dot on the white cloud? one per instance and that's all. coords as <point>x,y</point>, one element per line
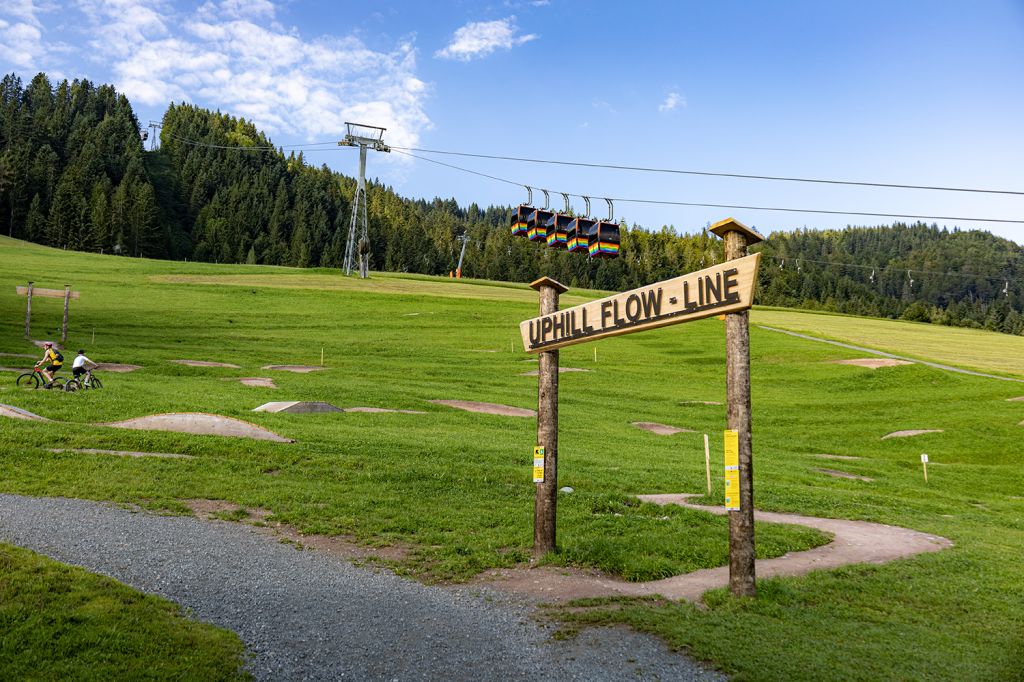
<point>232,55</point>
<point>480,38</point>
<point>673,101</point>
<point>21,37</point>
<point>20,43</point>
<point>24,10</point>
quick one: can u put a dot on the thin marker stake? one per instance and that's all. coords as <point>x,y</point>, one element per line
<point>707,462</point>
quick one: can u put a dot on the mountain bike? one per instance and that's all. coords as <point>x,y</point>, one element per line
<point>35,379</point>
<point>87,381</point>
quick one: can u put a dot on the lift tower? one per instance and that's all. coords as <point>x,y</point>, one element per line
<point>362,136</point>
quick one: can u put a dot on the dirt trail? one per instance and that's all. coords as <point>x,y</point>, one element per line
<point>854,542</point>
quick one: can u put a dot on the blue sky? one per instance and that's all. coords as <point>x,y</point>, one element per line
<point>925,93</point>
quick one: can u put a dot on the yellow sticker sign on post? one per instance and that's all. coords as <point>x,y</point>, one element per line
<point>538,464</point>
<point>732,470</point>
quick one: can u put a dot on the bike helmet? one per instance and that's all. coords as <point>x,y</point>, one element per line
<point>81,351</point>
<point>47,344</point>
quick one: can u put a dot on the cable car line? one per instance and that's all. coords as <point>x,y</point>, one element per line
<point>734,206</point>
<point>876,268</point>
<point>713,174</point>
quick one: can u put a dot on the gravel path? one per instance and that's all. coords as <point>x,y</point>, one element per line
<point>306,615</point>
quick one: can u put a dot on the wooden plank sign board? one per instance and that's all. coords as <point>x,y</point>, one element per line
<point>45,293</point>
<point>724,288</point>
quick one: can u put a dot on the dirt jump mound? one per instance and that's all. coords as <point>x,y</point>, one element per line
<point>18,413</point>
<point>301,369</point>
<point>199,423</point>
<point>205,363</point>
<point>910,432</point>
<point>661,429</point>
<point>872,363</point>
<point>297,407</point>
<point>487,408</point>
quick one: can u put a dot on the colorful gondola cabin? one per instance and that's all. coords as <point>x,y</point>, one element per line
<point>536,225</point>
<point>558,228</point>
<point>519,218</point>
<point>604,240</point>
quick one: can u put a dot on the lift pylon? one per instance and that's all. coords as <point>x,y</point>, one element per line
<point>364,137</point>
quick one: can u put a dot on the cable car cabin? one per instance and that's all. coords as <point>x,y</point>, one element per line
<point>536,225</point>
<point>577,237</point>
<point>558,231</point>
<point>519,218</point>
<point>604,240</point>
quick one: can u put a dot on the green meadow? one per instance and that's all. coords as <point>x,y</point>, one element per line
<point>455,486</point>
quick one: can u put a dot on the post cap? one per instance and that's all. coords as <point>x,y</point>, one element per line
<point>732,225</point>
<point>548,282</point>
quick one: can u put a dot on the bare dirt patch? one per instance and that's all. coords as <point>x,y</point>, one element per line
<point>341,545</point>
<point>199,423</point>
<point>18,413</point>
<point>299,369</point>
<point>839,457</point>
<point>379,410</point>
<point>835,473</point>
<point>117,367</point>
<point>699,402</point>
<point>1018,399</point>
<point>872,363</point>
<point>487,408</point>
<point>205,363</point>
<point>256,382</point>
<point>298,407</point>
<point>561,370</point>
<point>661,429</point>
<point>910,432</point>
<point>17,355</point>
<point>13,369</point>
<point>853,542</point>
<point>122,453</point>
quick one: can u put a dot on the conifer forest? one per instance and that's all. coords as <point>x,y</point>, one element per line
<point>75,174</point>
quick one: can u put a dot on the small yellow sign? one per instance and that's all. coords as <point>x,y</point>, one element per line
<point>538,464</point>
<point>732,470</point>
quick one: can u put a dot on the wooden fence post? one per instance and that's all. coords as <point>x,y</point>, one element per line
<point>28,312</point>
<point>742,581</point>
<point>545,502</point>
<point>64,323</point>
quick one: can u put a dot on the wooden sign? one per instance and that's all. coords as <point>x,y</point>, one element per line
<point>724,288</point>
<point>46,293</point>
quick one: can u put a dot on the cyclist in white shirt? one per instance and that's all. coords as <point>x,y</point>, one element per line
<point>78,367</point>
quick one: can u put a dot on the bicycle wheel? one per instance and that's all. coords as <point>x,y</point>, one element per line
<point>95,383</point>
<point>71,386</point>
<point>28,380</point>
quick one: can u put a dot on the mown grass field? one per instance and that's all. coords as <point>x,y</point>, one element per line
<point>456,485</point>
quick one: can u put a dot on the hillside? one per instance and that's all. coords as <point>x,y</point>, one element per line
<point>73,174</point>
<point>449,491</point>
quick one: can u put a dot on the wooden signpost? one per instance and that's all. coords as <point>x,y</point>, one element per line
<point>31,291</point>
<point>726,288</point>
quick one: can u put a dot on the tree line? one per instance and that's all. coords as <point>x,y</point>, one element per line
<point>71,168</point>
<point>74,174</point>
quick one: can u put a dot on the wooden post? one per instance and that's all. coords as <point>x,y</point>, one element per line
<point>545,502</point>
<point>64,324</point>
<point>28,312</point>
<point>742,582</point>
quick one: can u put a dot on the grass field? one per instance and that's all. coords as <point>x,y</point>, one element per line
<point>969,348</point>
<point>456,485</point>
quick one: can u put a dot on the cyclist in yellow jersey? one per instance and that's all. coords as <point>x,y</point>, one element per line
<point>52,359</point>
